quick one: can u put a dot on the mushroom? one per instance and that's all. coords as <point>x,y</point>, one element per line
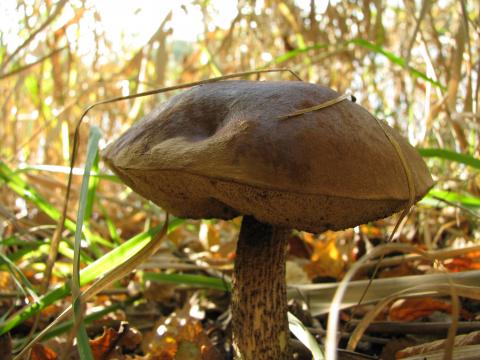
<point>224,149</point>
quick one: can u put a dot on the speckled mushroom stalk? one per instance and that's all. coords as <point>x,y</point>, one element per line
<point>259,294</point>
<point>224,149</point>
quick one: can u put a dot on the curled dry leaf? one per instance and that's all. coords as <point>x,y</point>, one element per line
<point>414,309</point>
<point>104,345</point>
<point>470,261</point>
<point>111,343</point>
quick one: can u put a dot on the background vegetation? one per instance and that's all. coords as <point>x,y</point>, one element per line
<point>415,64</point>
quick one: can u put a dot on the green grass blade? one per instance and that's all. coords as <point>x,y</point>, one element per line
<point>14,241</point>
<point>305,337</point>
<point>94,270</point>
<point>86,192</point>
<point>21,188</point>
<point>190,279</point>
<point>92,187</point>
<point>395,60</point>
<point>19,278</point>
<point>112,229</point>
<point>366,45</point>
<point>451,155</point>
<point>467,201</point>
<point>66,170</point>
<point>96,315</point>
<point>294,53</point>
<point>23,247</point>
<point>83,342</point>
<point>37,249</point>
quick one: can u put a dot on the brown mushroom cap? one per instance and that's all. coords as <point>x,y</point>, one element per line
<point>220,150</point>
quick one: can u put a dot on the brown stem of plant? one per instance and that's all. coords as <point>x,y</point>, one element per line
<point>58,10</point>
<point>32,64</point>
<point>453,85</point>
<point>259,298</point>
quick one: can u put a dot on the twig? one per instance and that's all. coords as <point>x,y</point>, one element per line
<point>28,66</point>
<point>423,11</point>
<point>438,254</point>
<point>32,36</point>
<point>400,327</point>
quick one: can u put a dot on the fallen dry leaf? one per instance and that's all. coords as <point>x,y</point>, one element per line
<point>111,343</point>
<point>103,345</point>
<point>414,309</point>
<point>470,261</point>
<point>179,336</point>
<point>326,260</point>
<point>6,281</point>
<point>42,352</point>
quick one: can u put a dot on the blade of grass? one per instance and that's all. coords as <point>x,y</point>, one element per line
<point>395,60</point>
<point>96,315</point>
<point>23,246</point>
<point>38,249</point>
<point>366,45</point>
<point>294,53</point>
<point>451,155</point>
<point>92,188</point>
<point>19,278</point>
<point>189,279</point>
<point>19,186</point>
<point>305,337</point>
<point>65,170</point>
<point>93,271</point>
<point>454,197</point>
<point>87,196</point>
<point>112,229</point>
<point>102,283</point>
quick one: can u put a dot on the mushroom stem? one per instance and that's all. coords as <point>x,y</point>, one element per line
<point>259,297</point>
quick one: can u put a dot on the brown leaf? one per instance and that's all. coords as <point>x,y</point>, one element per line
<point>131,340</point>
<point>6,281</point>
<point>326,258</point>
<point>297,247</point>
<point>41,352</point>
<point>414,309</point>
<point>178,337</point>
<point>188,350</point>
<point>470,261</point>
<point>103,345</point>
<point>371,231</point>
